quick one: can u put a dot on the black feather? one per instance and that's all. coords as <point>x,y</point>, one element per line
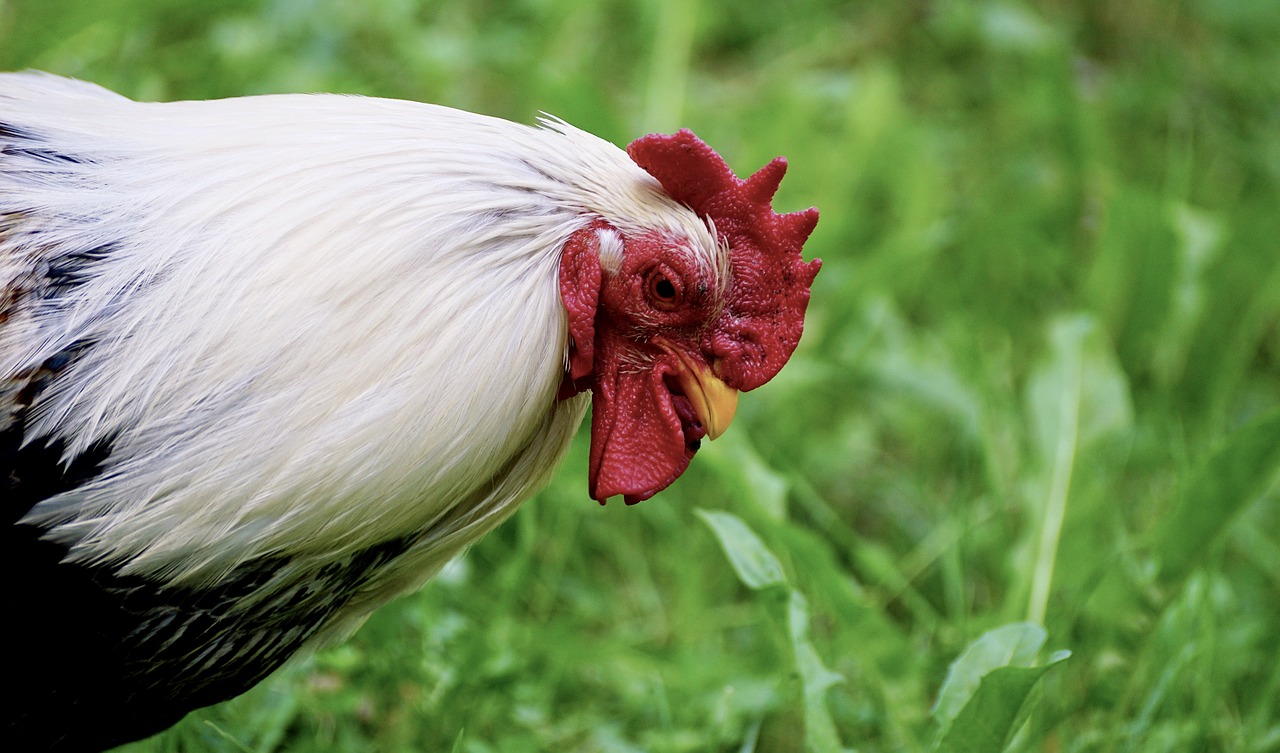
<point>110,658</point>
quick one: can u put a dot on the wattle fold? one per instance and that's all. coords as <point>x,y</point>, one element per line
<point>640,441</point>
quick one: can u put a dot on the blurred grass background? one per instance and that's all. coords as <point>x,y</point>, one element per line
<point>1040,380</point>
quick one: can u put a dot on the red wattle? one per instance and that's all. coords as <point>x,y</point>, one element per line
<point>638,439</point>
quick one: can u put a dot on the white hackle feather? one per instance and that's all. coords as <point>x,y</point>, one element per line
<point>321,322</point>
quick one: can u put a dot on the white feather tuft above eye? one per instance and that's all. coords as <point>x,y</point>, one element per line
<point>610,250</point>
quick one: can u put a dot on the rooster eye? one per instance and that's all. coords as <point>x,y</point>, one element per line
<point>663,293</point>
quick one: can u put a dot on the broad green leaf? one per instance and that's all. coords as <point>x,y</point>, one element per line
<point>1240,470</point>
<point>749,478</point>
<point>1014,645</point>
<point>1079,393</point>
<point>995,711</point>
<point>981,702</point>
<point>815,677</point>
<point>756,566</point>
<point>1200,235</point>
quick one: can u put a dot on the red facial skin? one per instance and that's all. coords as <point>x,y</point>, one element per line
<point>632,330</point>
<point>643,433</point>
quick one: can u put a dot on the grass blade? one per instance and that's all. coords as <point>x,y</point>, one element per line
<point>1240,470</point>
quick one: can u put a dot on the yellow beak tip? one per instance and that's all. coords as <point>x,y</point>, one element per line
<point>714,402</point>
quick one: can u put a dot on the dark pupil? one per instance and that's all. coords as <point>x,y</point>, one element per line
<point>664,289</point>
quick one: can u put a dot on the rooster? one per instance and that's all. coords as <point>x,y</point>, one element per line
<point>268,362</point>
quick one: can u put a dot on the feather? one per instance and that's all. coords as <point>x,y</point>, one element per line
<point>283,316</point>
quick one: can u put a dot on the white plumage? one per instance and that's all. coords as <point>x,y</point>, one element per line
<point>293,286</point>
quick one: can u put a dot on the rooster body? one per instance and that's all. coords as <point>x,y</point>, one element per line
<point>268,362</point>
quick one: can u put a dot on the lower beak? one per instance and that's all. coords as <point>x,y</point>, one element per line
<point>714,402</point>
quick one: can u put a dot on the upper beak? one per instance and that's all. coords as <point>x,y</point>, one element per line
<point>714,402</point>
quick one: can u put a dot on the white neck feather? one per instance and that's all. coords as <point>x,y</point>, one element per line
<point>323,322</point>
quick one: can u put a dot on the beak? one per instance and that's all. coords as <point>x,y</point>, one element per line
<point>714,402</point>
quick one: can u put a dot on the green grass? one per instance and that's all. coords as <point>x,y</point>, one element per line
<point>1040,382</point>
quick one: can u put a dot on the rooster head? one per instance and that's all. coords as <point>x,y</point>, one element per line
<point>666,339</point>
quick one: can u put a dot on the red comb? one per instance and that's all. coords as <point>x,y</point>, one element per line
<point>770,289</point>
